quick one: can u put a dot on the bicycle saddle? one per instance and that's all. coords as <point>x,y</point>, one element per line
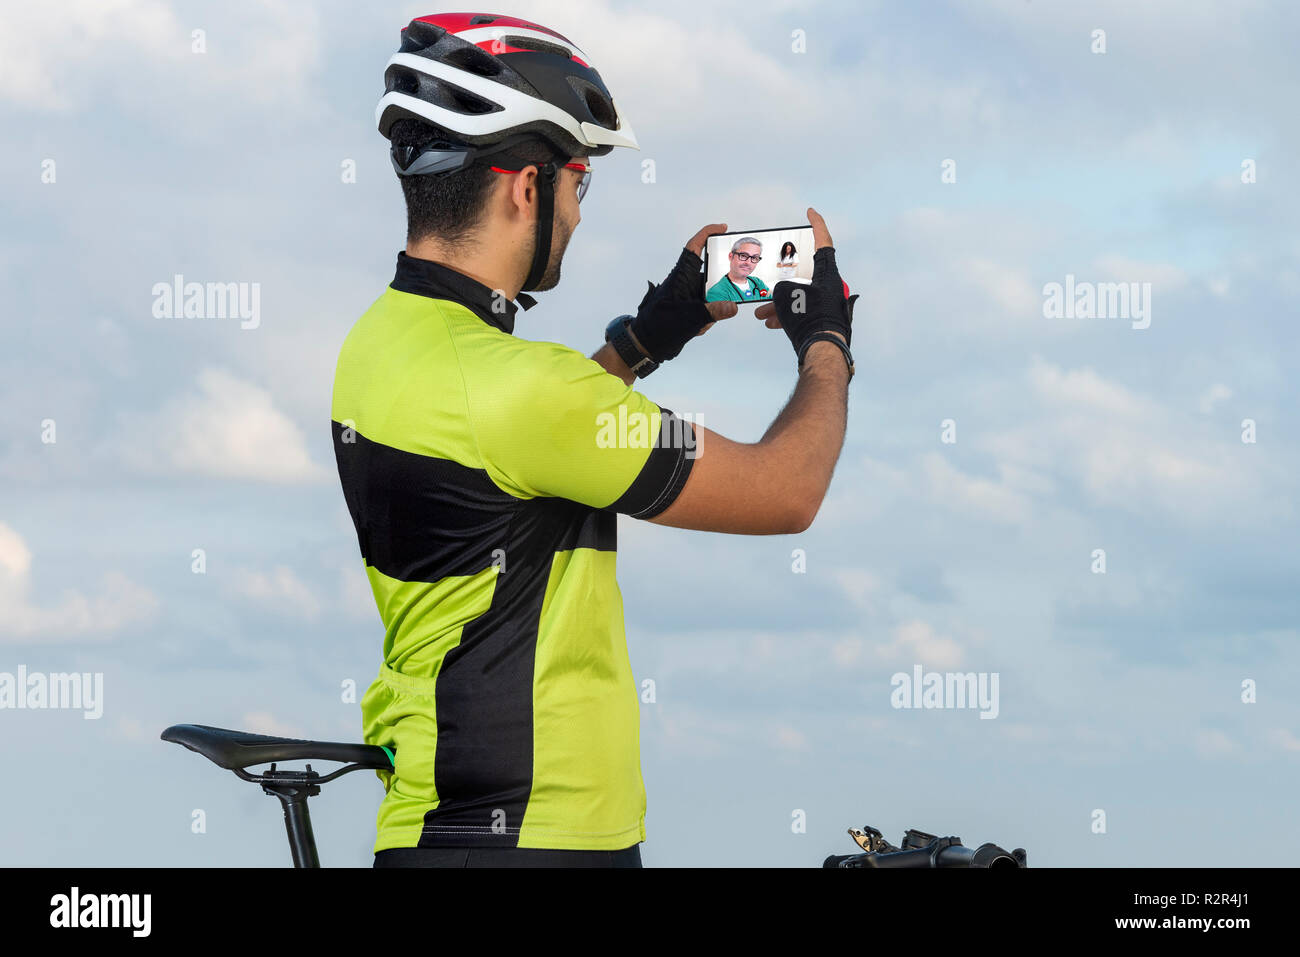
<point>240,749</point>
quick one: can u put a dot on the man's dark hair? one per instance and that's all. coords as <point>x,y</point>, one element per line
<point>449,206</point>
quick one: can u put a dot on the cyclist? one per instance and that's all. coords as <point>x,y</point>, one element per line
<point>479,470</point>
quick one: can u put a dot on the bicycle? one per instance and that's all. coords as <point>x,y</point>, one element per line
<point>239,750</point>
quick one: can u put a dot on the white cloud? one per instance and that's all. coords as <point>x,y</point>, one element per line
<point>665,71</point>
<point>80,54</point>
<point>1214,743</point>
<point>50,52</point>
<point>1213,396</point>
<point>860,586</point>
<point>1162,276</point>
<point>280,589</point>
<point>117,603</point>
<point>356,596</point>
<point>847,651</point>
<point>981,497</point>
<point>1008,287</point>
<point>916,641</point>
<point>263,722</point>
<point>1126,449</point>
<point>1085,388</point>
<point>229,429</point>
<point>1283,738</point>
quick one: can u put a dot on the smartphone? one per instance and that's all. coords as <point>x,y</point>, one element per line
<point>743,266</point>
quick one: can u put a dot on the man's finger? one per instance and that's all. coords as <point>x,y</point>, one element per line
<point>766,311</point>
<point>721,309</point>
<point>696,245</point>
<point>821,235</point>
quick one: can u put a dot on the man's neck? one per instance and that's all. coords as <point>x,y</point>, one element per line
<point>488,270</point>
<point>742,281</point>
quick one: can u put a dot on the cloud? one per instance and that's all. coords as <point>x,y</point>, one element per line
<point>916,641</point>
<point>1162,276</point>
<point>1213,396</point>
<point>356,597</point>
<point>263,722</point>
<point>228,429</point>
<point>280,589</point>
<point>1007,287</point>
<point>860,586</point>
<point>1214,743</point>
<point>979,497</point>
<point>1284,739</point>
<point>119,602</point>
<point>77,54</point>
<point>1127,450</point>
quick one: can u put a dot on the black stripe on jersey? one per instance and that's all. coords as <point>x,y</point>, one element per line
<point>420,518</point>
<point>483,765</point>
<point>665,471</point>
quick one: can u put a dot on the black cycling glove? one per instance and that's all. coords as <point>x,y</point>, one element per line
<point>810,312</point>
<point>672,313</point>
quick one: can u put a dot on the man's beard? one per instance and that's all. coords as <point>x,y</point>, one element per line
<point>559,242</point>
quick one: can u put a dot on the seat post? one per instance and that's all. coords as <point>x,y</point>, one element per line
<point>293,788</point>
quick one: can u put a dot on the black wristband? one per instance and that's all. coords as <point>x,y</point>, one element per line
<point>827,337</point>
<point>618,336</point>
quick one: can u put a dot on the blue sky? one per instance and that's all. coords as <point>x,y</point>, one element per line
<point>1119,692</point>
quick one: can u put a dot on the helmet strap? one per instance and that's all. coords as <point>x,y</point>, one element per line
<point>546,176</point>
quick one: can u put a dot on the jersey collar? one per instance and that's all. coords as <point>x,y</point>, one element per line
<point>424,277</point>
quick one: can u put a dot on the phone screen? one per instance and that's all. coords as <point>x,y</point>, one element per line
<point>743,266</point>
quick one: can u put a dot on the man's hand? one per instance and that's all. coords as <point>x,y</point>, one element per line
<point>674,312</point>
<point>824,305</point>
<point>696,244</point>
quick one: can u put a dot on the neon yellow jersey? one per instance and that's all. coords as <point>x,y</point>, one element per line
<point>483,473</point>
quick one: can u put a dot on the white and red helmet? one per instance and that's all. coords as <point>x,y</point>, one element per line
<point>489,81</point>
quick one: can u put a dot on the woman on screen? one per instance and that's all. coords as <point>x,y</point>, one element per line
<point>788,263</point>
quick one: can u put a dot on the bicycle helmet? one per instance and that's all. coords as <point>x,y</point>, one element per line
<point>489,83</point>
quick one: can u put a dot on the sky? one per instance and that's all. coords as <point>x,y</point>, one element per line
<point>171,520</point>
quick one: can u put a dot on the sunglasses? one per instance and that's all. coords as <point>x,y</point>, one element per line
<point>583,167</point>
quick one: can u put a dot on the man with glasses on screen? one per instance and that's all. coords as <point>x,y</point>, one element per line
<point>738,285</point>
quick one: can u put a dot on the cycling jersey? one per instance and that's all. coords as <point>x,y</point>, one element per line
<point>483,479</point>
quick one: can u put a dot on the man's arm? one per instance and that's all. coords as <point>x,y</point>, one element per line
<point>612,363</point>
<point>683,282</point>
<point>776,485</point>
<point>608,358</point>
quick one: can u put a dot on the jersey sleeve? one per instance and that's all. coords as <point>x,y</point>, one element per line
<point>554,423</point>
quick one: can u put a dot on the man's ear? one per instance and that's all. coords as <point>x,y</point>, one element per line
<point>523,189</point>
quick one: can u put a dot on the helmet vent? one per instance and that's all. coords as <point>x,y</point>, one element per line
<point>474,60</point>
<point>420,35</point>
<point>537,46</point>
<point>482,18</point>
<point>463,101</point>
<point>597,102</point>
<point>602,110</point>
<point>403,81</point>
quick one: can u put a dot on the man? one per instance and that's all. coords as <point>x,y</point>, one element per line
<point>738,285</point>
<point>485,506</point>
